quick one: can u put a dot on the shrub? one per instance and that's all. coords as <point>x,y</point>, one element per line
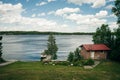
<point>89,62</point>
<point>65,63</point>
<point>77,63</point>
<point>70,57</point>
<point>2,60</point>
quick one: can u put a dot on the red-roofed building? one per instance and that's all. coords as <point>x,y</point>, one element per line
<point>94,51</point>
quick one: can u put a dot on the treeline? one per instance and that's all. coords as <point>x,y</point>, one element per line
<point>105,36</point>
<point>44,33</point>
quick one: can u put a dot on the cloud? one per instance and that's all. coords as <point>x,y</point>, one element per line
<point>27,0</point>
<point>99,3</point>
<point>81,19</point>
<point>109,6</point>
<point>51,0</point>
<point>51,12</point>
<point>66,10</point>
<point>17,22</point>
<point>44,3</point>
<point>85,22</point>
<point>113,25</point>
<point>41,3</point>
<point>42,14</point>
<point>33,15</point>
<point>95,3</point>
<point>102,14</point>
<point>90,20</point>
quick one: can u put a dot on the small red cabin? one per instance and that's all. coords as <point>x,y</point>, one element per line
<point>94,51</point>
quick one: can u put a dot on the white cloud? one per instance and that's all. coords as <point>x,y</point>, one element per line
<point>41,3</point>
<point>51,12</point>
<point>42,14</point>
<point>109,6</point>
<point>90,20</point>
<point>84,22</point>
<point>111,0</point>
<point>112,15</point>
<point>66,11</point>
<point>101,14</point>
<point>44,3</point>
<point>11,19</point>
<point>95,3</point>
<point>112,25</point>
<point>99,3</point>
<point>17,22</point>
<point>33,15</point>
<point>51,0</point>
<point>27,0</point>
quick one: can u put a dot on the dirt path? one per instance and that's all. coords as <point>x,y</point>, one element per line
<point>7,63</point>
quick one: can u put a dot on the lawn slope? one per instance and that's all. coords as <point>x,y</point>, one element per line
<point>38,71</point>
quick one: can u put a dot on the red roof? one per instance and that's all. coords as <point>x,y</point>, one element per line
<point>95,47</point>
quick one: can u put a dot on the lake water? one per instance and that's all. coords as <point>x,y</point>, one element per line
<point>29,47</point>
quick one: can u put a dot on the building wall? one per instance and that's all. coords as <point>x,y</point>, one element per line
<point>84,53</point>
<point>98,55</point>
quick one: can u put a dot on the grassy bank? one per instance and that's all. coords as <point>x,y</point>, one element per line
<point>37,71</point>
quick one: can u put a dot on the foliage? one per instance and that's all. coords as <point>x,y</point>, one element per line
<point>78,63</point>
<point>51,47</point>
<point>103,35</point>
<point>65,63</point>
<point>89,62</point>
<point>115,53</point>
<point>116,10</point>
<point>70,57</point>
<point>74,56</point>
<point>1,59</point>
<point>41,33</point>
<point>77,56</point>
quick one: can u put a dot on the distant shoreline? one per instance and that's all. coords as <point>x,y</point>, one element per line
<point>41,33</point>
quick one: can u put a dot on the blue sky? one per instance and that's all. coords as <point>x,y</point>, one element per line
<point>56,15</point>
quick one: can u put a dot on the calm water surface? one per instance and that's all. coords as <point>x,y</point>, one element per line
<point>29,47</point>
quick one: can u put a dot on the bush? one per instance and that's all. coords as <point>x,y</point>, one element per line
<point>70,57</point>
<point>89,62</point>
<point>77,63</point>
<point>65,63</point>
<point>2,60</point>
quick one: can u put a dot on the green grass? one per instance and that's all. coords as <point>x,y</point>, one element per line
<point>37,71</point>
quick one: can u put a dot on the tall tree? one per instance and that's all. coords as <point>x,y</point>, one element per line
<point>116,10</point>
<point>115,54</point>
<point>1,59</point>
<point>51,47</point>
<point>103,35</point>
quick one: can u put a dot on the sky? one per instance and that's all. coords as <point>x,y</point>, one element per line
<point>56,15</point>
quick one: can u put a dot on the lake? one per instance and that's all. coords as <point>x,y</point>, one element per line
<point>29,47</point>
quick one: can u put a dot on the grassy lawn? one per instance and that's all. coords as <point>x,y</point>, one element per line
<point>37,71</point>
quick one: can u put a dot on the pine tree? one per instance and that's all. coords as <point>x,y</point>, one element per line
<point>70,57</point>
<point>1,59</point>
<point>116,10</point>
<point>115,55</point>
<point>51,47</point>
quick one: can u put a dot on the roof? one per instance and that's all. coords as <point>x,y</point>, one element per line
<point>95,47</point>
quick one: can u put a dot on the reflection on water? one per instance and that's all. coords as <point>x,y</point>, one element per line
<point>29,47</point>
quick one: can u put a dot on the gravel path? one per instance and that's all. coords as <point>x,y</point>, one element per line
<point>91,67</point>
<point>7,63</point>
